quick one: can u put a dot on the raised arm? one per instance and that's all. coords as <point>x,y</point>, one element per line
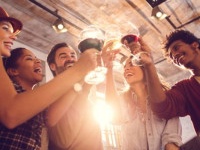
<point>18,108</point>
<point>112,97</point>
<point>71,100</point>
<point>155,90</point>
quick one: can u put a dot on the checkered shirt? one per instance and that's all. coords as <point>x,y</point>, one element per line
<point>26,136</point>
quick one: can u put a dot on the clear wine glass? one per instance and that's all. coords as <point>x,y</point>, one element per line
<point>93,37</point>
<point>130,39</point>
<point>135,59</point>
<point>113,37</point>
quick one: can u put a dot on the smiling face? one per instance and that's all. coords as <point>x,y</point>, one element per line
<point>24,68</point>
<point>65,57</point>
<point>133,74</point>
<point>6,38</point>
<point>184,54</point>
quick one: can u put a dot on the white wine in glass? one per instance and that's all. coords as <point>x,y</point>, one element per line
<point>113,37</point>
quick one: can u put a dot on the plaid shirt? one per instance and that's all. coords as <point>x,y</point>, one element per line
<point>26,136</point>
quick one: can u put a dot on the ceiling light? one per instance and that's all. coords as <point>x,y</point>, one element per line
<point>59,26</point>
<point>158,13</point>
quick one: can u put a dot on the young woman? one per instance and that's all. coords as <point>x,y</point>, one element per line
<point>140,127</point>
<point>16,109</point>
<point>25,71</point>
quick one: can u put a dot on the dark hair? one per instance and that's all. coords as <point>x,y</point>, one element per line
<point>11,62</point>
<point>51,55</point>
<point>183,35</point>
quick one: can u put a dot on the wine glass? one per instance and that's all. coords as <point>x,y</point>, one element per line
<point>130,33</point>
<point>93,37</point>
<point>130,39</point>
<point>113,35</point>
<point>135,59</point>
<point>113,39</point>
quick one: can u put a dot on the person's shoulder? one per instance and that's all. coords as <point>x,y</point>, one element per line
<point>185,81</point>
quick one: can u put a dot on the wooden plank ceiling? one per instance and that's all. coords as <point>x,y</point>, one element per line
<point>77,14</point>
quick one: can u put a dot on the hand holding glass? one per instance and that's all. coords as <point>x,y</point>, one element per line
<point>136,58</point>
<point>130,33</point>
<point>113,39</point>
<point>130,39</point>
<point>93,37</point>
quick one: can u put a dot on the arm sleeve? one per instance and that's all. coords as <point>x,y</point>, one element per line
<point>172,132</point>
<point>174,105</point>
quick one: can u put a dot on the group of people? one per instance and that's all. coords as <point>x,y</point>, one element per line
<point>30,115</point>
<point>57,116</point>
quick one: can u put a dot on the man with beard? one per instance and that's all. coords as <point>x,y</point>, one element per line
<point>75,127</point>
<point>183,48</point>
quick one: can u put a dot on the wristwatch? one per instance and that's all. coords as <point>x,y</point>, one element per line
<point>77,87</point>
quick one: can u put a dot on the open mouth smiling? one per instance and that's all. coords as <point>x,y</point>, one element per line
<point>38,70</point>
<point>128,74</point>
<point>68,65</point>
<point>178,58</point>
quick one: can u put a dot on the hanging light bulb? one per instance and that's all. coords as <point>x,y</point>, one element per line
<point>158,13</point>
<point>59,26</point>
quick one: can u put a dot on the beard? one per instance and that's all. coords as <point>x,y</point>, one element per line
<point>60,69</point>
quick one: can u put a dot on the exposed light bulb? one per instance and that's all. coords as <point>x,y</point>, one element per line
<point>158,14</point>
<point>60,26</point>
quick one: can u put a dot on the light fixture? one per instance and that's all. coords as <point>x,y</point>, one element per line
<point>59,26</point>
<point>155,3</point>
<point>158,13</point>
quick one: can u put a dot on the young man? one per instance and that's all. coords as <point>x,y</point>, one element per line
<point>75,127</point>
<point>184,97</point>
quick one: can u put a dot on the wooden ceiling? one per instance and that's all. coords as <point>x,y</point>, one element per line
<point>39,15</point>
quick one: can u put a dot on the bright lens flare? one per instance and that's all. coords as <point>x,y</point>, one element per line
<point>103,112</point>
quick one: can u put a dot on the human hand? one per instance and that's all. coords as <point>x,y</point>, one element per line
<point>109,54</point>
<point>146,58</point>
<point>88,59</point>
<point>171,146</point>
<point>134,46</point>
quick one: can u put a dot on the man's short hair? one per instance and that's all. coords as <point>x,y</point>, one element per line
<point>183,35</point>
<point>52,53</point>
